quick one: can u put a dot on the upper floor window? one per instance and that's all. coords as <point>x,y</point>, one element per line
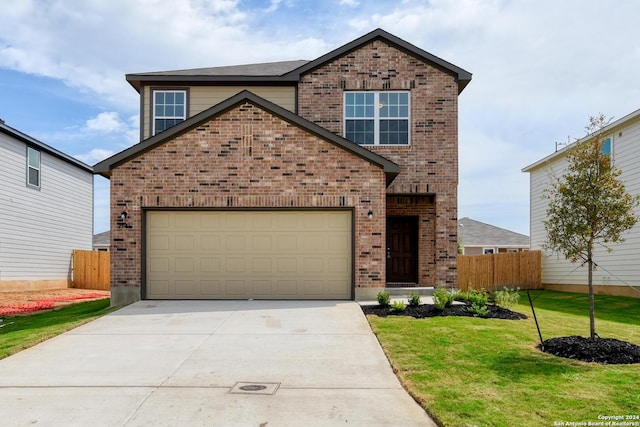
<point>377,118</point>
<point>33,168</point>
<point>169,108</point>
<point>606,147</point>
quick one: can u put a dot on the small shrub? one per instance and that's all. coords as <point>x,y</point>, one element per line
<point>462,296</point>
<point>384,299</point>
<point>442,298</point>
<point>414,300</point>
<point>480,297</point>
<point>506,297</point>
<point>398,307</point>
<point>478,309</point>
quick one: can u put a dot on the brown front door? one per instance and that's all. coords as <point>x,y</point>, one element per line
<point>402,249</point>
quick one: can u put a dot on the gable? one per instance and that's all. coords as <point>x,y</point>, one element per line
<point>243,101</point>
<point>461,76</point>
<point>246,151</point>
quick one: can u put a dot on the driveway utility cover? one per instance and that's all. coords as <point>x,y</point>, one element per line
<point>197,363</point>
<point>255,388</point>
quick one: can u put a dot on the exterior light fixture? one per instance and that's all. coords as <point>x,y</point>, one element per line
<point>370,214</point>
<point>122,218</point>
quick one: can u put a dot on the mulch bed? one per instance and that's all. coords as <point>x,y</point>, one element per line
<point>27,302</point>
<point>429,310</point>
<point>607,351</point>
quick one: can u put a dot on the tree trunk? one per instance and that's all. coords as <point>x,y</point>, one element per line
<point>592,302</point>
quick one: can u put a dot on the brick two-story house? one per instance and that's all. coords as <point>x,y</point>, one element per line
<point>322,179</point>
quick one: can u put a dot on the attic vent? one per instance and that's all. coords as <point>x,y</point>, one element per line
<point>247,139</point>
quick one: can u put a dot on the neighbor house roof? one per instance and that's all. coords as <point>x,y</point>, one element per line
<point>476,233</point>
<point>102,239</point>
<point>289,72</point>
<point>631,117</point>
<point>390,168</point>
<point>8,130</point>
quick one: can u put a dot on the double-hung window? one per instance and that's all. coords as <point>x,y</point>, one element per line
<point>33,168</point>
<point>169,108</point>
<point>377,118</point>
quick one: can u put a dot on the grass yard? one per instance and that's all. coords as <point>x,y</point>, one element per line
<point>487,372</point>
<point>20,332</point>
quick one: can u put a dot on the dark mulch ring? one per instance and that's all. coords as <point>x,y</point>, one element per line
<point>429,310</point>
<point>607,351</point>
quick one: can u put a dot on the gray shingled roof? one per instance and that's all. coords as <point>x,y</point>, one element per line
<point>289,72</point>
<point>261,69</point>
<point>102,239</point>
<point>476,233</point>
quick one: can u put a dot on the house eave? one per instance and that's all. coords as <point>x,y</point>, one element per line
<point>629,118</point>
<point>104,167</point>
<point>8,130</point>
<point>463,77</point>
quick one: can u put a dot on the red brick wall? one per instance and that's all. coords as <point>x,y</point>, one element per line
<point>430,163</point>
<point>245,158</point>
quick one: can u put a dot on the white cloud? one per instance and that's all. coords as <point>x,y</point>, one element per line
<point>539,68</point>
<point>94,156</point>
<point>106,122</point>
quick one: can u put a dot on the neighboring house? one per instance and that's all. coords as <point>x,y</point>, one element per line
<point>478,238</point>
<point>101,241</point>
<point>322,179</point>
<point>46,200</point>
<point>617,271</point>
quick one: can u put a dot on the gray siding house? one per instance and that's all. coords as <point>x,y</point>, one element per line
<point>46,211</point>
<point>618,272</point>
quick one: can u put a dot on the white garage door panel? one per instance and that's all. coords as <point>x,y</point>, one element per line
<point>262,255</point>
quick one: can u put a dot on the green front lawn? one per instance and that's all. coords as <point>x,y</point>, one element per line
<point>23,331</point>
<point>487,372</point>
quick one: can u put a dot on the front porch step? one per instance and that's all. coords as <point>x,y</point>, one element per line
<point>407,291</point>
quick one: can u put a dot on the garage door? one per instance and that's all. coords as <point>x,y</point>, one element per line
<point>248,254</point>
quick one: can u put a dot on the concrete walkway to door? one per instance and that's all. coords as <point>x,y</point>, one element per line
<point>208,363</point>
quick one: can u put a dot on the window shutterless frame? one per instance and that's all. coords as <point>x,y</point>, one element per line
<point>377,118</point>
<point>33,168</point>
<point>169,107</point>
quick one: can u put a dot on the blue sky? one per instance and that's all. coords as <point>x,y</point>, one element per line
<point>540,69</point>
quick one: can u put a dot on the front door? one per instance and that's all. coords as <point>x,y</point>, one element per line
<point>402,249</point>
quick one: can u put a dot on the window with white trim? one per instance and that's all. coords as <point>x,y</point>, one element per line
<point>33,168</point>
<point>169,109</point>
<point>377,118</point>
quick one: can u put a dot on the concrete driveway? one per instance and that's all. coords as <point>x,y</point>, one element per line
<point>205,363</point>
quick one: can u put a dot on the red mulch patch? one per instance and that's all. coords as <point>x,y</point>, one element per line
<point>26,302</point>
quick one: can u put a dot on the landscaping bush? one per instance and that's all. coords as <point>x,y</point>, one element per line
<point>414,300</point>
<point>442,298</point>
<point>384,299</point>
<point>506,297</point>
<point>398,307</point>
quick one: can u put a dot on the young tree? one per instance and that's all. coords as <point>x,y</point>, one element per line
<point>588,204</point>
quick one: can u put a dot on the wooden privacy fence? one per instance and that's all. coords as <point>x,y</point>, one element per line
<point>91,270</point>
<point>494,271</point>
